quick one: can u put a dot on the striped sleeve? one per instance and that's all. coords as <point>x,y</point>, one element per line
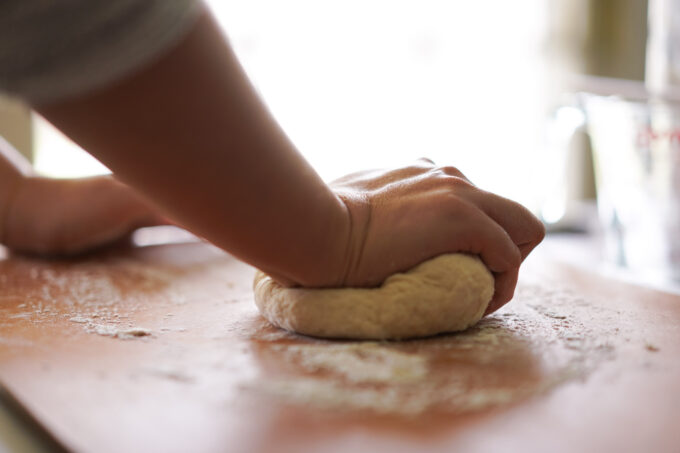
<point>52,50</point>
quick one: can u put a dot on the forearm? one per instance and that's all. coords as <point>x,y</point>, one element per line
<point>199,142</point>
<point>14,170</point>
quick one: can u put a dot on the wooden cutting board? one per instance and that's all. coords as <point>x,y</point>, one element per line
<point>160,348</point>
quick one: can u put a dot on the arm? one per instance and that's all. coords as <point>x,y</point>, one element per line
<point>190,132</point>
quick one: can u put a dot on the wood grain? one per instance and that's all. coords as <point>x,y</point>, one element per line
<point>160,348</point>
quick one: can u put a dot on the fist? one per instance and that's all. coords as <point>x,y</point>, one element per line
<point>399,218</point>
<point>67,217</point>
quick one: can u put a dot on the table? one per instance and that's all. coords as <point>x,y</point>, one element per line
<point>160,348</point>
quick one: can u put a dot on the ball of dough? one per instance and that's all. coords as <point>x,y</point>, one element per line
<point>445,294</point>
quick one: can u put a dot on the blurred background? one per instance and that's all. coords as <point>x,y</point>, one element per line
<point>487,86</point>
<point>363,84</point>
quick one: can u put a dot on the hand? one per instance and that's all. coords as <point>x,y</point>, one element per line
<point>402,217</point>
<point>68,217</point>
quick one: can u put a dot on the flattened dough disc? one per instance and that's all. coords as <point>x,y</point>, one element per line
<point>445,294</point>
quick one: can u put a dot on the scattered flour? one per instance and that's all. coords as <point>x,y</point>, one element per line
<point>331,395</point>
<point>108,330</point>
<point>532,346</point>
<point>93,294</point>
<point>359,362</point>
<point>81,320</point>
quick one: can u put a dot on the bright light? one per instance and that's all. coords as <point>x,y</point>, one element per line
<point>376,83</point>
<point>59,157</point>
<point>373,83</point>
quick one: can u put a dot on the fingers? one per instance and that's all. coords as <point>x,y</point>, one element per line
<point>504,289</point>
<point>523,227</point>
<point>70,216</point>
<point>423,210</point>
<point>475,232</point>
<point>519,225</point>
<point>524,230</point>
<point>486,238</point>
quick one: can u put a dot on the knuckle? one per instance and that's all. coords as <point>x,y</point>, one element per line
<point>456,183</point>
<point>451,171</point>
<point>536,229</point>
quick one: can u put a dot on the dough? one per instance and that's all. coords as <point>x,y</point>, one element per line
<point>444,294</point>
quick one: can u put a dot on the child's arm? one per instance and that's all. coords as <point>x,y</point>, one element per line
<point>63,216</point>
<point>190,132</point>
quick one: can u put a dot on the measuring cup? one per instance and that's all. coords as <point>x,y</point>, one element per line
<point>636,152</point>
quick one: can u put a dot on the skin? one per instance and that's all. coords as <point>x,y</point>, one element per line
<point>46,216</point>
<point>189,132</point>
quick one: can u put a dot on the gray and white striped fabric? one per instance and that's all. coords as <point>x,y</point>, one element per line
<point>55,49</point>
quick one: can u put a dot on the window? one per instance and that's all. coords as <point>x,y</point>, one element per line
<point>375,83</point>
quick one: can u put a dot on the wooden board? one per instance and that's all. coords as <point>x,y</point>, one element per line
<point>160,348</point>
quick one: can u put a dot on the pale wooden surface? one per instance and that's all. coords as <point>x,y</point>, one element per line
<point>575,363</point>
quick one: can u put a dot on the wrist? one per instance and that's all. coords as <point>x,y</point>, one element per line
<point>326,258</point>
<point>327,251</point>
<point>357,218</point>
